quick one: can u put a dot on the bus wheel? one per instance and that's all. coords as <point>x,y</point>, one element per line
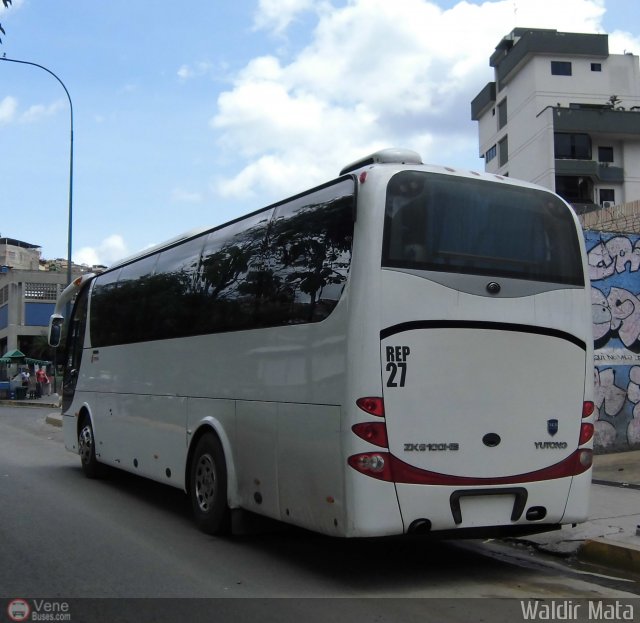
<point>208,486</point>
<point>87,450</point>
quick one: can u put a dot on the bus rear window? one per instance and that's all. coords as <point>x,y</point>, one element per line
<point>455,224</point>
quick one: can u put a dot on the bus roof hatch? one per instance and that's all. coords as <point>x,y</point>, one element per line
<point>385,156</point>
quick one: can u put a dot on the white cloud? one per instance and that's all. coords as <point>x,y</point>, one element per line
<point>187,72</point>
<point>39,111</point>
<point>8,107</point>
<point>110,250</point>
<point>375,74</point>
<point>276,15</point>
<point>622,42</point>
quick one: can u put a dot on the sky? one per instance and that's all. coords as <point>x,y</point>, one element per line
<point>187,115</point>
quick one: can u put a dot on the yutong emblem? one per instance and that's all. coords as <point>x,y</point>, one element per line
<point>550,445</point>
<point>552,429</point>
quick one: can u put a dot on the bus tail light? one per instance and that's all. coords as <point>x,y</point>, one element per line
<point>385,466</point>
<point>586,433</point>
<point>372,405</point>
<point>374,464</point>
<point>588,407</point>
<point>373,432</point>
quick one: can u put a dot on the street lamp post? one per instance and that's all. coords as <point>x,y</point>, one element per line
<point>69,234</point>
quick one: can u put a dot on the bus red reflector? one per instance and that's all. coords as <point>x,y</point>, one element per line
<point>372,405</point>
<point>373,432</point>
<point>586,459</point>
<point>586,433</point>
<point>587,408</point>
<point>398,471</point>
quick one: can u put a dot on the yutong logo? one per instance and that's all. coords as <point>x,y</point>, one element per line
<point>550,445</point>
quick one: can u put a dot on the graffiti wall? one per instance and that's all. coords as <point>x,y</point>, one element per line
<point>614,270</point>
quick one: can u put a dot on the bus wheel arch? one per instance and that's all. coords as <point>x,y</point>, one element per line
<point>207,482</point>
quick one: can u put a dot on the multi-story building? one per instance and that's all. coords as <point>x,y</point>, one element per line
<point>29,288</point>
<point>563,113</point>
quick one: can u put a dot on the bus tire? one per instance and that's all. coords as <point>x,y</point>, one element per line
<point>208,486</point>
<point>87,449</point>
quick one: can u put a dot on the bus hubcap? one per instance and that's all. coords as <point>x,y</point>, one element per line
<point>205,483</point>
<point>85,442</point>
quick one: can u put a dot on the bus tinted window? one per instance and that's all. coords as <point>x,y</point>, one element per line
<point>455,224</point>
<point>105,324</point>
<point>255,272</point>
<point>231,275</point>
<point>171,301</point>
<point>308,256</point>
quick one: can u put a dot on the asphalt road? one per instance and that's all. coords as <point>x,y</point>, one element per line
<point>64,537</point>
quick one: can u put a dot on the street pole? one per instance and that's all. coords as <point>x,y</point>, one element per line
<point>70,229</point>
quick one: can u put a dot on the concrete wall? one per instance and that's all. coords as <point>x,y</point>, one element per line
<point>614,270</point>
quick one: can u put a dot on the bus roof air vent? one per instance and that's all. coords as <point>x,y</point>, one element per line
<point>385,156</point>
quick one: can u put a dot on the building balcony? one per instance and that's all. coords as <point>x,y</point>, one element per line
<point>483,101</point>
<point>590,168</point>
<point>621,123</point>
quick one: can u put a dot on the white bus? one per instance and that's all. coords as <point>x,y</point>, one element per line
<point>405,349</point>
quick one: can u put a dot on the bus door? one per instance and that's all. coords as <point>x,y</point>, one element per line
<point>74,346</point>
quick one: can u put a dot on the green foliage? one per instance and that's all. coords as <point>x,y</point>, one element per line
<point>6,4</point>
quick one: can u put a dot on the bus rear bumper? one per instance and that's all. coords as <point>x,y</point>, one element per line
<point>514,508</point>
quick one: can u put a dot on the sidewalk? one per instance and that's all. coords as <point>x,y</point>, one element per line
<point>52,402</point>
<point>611,536</point>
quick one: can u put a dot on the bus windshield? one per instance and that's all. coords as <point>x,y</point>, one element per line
<point>455,224</point>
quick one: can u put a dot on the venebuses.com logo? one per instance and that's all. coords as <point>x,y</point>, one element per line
<point>18,610</point>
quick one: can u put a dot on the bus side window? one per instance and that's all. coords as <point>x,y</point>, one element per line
<point>230,275</point>
<point>309,254</point>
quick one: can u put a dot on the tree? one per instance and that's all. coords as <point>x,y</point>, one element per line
<point>6,4</point>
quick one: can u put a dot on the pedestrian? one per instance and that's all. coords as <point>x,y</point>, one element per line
<point>41,381</point>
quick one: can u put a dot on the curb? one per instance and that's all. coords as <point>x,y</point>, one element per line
<point>26,403</point>
<point>608,553</point>
<point>55,419</point>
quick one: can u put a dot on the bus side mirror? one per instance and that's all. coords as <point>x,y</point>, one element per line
<point>55,329</point>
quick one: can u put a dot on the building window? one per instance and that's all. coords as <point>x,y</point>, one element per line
<point>607,194</point>
<point>572,146</point>
<point>605,154</point>
<point>560,68</point>
<point>41,291</point>
<point>575,189</point>
<point>491,154</point>
<point>596,66</point>
<point>502,113</point>
<point>503,150</point>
